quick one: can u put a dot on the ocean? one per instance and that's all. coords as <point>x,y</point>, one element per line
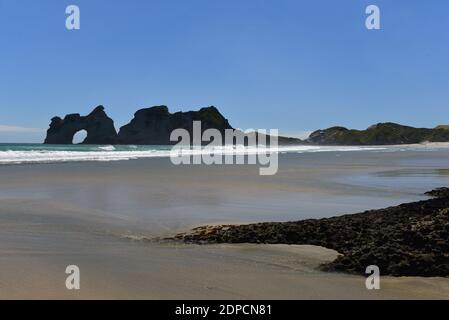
<point>40,153</point>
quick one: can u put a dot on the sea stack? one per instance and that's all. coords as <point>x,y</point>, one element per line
<point>153,126</point>
<point>99,127</point>
<point>150,126</point>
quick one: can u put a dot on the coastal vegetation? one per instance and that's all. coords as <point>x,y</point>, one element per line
<point>379,134</point>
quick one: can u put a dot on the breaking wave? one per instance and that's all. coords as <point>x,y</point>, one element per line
<point>29,153</point>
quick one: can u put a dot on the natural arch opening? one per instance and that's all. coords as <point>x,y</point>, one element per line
<point>79,137</point>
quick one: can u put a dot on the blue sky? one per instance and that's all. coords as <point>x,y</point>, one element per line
<point>288,64</point>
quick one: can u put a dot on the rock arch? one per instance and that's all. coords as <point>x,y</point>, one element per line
<point>99,127</point>
<point>79,137</point>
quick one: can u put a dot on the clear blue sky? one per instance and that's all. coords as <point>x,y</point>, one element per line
<point>288,64</point>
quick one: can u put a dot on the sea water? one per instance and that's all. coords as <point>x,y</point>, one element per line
<point>40,153</point>
<point>312,182</point>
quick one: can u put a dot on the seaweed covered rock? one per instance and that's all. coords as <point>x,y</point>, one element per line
<point>439,193</point>
<point>407,240</point>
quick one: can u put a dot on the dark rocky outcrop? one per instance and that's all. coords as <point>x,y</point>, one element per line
<point>380,134</point>
<point>100,128</point>
<point>407,240</point>
<point>153,126</point>
<point>150,126</point>
<point>439,193</point>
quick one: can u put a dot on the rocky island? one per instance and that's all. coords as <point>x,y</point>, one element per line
<point>153,126</point>
<point>100,128</point>
<point>150,126</point>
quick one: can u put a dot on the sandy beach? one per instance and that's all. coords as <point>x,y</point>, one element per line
<point>224,150</point>
<point>98,215</point>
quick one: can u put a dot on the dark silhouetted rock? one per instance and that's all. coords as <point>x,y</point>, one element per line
<point>153,126</point>
<point>99,127</point>
<point>379,134</point>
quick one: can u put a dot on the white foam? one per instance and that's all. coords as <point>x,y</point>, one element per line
<point>111,154</point>
<point>107,148</point>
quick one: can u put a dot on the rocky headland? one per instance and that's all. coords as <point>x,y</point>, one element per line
<point>411,239</point>
<point>379,134</point>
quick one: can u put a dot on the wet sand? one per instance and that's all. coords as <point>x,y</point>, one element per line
<point>36,252</point>
<point>52,216</point>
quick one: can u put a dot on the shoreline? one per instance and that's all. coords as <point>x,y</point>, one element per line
<point>406,240</point>
<point>42,154</point>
